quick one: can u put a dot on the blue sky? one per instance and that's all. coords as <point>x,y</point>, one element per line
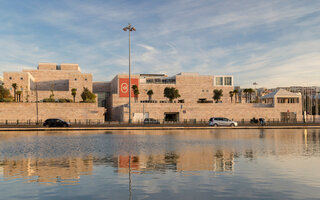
<point>274,43</point>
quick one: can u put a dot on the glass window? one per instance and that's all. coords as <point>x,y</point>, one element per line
<point>219,80</point>
<point>227,80</point>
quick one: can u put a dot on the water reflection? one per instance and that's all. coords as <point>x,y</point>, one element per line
<point>67,158</point>
<point>55,170</point>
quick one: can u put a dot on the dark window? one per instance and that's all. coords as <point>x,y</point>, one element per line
<point>21,78</point>
<point>75,79</point>
<point>10,78</point>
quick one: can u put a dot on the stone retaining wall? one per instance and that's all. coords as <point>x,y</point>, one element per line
<point>65,111</point>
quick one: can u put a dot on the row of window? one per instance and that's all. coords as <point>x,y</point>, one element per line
<point>10,78</point>
<point>77,79</point>
<point>21,78</point>
<point>223,81</point>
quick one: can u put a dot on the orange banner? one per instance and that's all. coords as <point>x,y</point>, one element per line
<point>124,86</point>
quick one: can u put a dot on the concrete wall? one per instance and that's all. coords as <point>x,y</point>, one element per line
<point>65,111</point>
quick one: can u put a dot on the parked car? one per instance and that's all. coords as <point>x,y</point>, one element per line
<point>56,122</point>
<point>150,121</point>
<point>221,121</point>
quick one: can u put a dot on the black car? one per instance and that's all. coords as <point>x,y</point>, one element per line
<point>56,122</point>
<point>150,121</point>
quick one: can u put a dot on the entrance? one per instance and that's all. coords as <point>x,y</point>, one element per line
<point>173,117</point>
<point>288,117</point>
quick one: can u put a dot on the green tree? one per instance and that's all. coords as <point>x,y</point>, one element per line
<point>5,95</point>
<point>87,96</point>
<point>15,86</point>
<point>231,95</point>
<point>74,93</point>
<point>135,92</point>
<point>245,91</point>
<point>150,93</point>
<point>51,88</point>
<point>235,92</point>
<point>171,93</point>
<point>250,91</point>
<point>217,94</point>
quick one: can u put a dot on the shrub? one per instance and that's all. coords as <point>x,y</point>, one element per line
<point>5,95</point>
<point>64,100</point>
<point>49,100</point>
<point>87,96</point>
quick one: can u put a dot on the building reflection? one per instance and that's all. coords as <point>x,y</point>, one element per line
<point>54,170</point>
<point>213,151</point>
<point>204,160</point>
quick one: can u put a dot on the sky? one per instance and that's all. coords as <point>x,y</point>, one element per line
<point>273,43</point>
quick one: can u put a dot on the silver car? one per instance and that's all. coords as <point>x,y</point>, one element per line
<point>220,121</point>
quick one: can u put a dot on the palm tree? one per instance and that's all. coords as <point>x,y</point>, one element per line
<point>235,92</point>
<point>74,93</point>
<point>15,86</point>
<point>18,95</point>
<point>150,93</point>
<point>245,91</point>
<point>250,91</point>
<point>135,92</point>
<point>231,95</point>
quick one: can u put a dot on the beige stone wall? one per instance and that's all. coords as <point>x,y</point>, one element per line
<point>236,111</point>
<point>65,111</point>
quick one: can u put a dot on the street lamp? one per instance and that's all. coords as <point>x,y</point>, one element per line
<point>129,28</point>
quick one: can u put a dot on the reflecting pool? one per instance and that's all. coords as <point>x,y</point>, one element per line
<point>172,164</point>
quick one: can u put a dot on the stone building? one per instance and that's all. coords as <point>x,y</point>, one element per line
<point>195,101</point>
<point>48,79</point>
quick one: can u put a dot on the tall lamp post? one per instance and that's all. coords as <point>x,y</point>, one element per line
<point>129,28</point>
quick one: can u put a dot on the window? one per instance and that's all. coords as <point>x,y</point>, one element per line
<point>219,80</point>
<point>75,79</point>
<point>58,67</point>
<point>10,78</point>
<point>85,79</point>
<point>227,80</point>
<point>21,78</point>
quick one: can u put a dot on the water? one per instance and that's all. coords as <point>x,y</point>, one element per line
<point>193,164</point>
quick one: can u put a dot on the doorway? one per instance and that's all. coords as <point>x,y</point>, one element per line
<point>173,117</point>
